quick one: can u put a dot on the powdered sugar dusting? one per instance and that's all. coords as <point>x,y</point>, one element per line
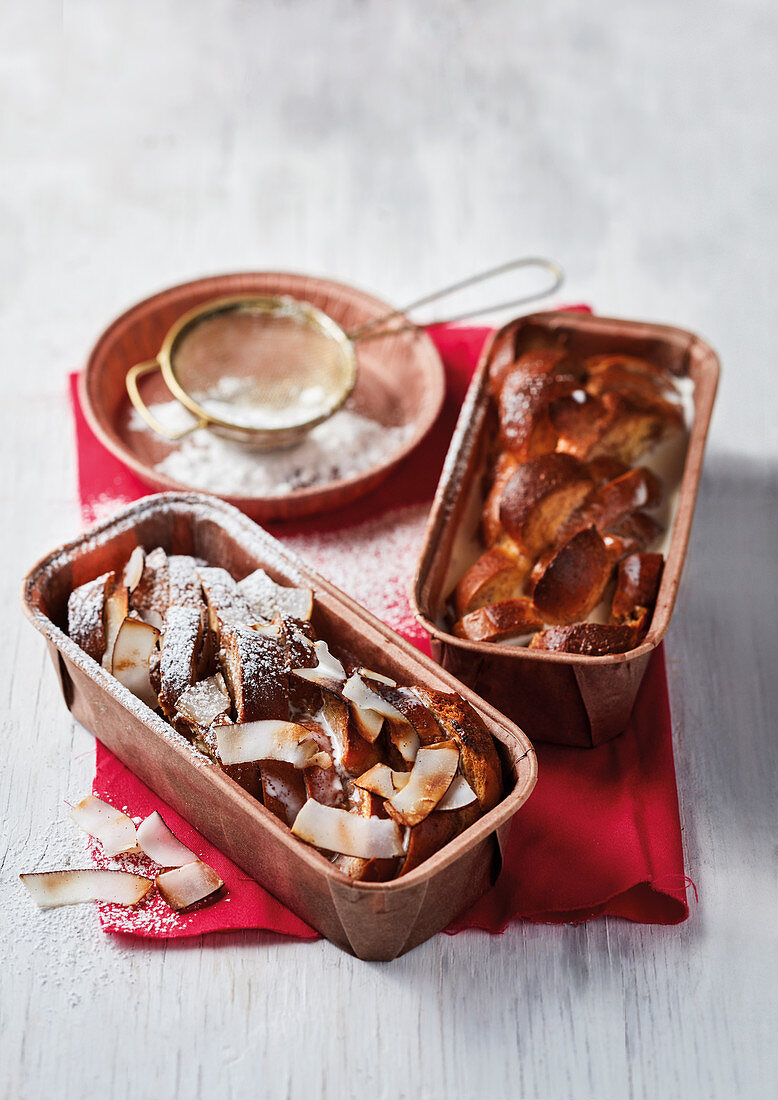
<point>344,446</point>
<point>373,562</point>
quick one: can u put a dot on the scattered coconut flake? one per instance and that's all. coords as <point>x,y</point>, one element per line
<point>328,673</point>
<point>431,777</point>
<point>161,845</point>
<point>187,885</point>
<point>381,780</point>
<point>131,661</point>
<point>459,795</point>
<point>268,739</point>
<point>115,830</point>
<point>339,831</point>
<point>50,889</point>
<point>133,570</point>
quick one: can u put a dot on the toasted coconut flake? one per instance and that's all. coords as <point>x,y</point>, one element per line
<point>431,777</point>
<point>320,760</point>
<point>378,676</point>
<point>160,844</point>
<point>205,701</point>
<point>367,722</point>
<point>358,692</point>
<point>188,885</point>
<point>133,570</point>
<point>339,831</point>
<point>459,795</point>
<point>50,889</point>
<point>328,673</point>
<point>404,738</point>
<point>116,608</point>
<point>267,739</point>
<point>131,661</point>
<point>381,780</point>
<point>115,831</point>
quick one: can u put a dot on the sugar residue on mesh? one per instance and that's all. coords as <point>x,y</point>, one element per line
<point>346,445</point>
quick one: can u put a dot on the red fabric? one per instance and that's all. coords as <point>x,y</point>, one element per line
<point>600,833</point>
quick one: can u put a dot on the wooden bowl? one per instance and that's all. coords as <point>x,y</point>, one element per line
<point>400,383</point>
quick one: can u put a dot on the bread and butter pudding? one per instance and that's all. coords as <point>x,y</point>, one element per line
<point>377,775</point>
<point>574,512</point>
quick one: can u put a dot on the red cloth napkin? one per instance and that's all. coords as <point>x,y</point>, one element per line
<point>601,832</point>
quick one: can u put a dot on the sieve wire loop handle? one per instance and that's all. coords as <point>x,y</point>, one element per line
<point>373,329</point>
<point>133,374</point>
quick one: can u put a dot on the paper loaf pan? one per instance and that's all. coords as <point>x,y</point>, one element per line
<point>370,920</point>
<point>558,697</point>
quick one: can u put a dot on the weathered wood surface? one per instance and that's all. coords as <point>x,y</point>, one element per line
<point>397,146</point>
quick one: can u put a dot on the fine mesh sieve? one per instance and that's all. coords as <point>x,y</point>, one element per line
<point>263,371</point>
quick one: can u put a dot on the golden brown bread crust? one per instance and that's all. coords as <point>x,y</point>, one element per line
<point>494,576</point>
<point>495,621</point>
<point>637,585</point>
<point>590,639</point>
<point>627,373</point>
<point>180,649</point>
<point>633,424</point>
<point>356,754</point>
<point>526,429</point>
<point>540,361</point>
<point>608,504</point>
<point>436,830</point>
<point>491,528</point>
<point>572,580</point>
<point>478,757</point>
<point>540,498</point>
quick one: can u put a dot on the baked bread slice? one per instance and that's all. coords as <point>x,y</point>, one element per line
<point>590,639</point>
<point>637,585</point>
<point>253,662</point>
<point>570,581</point>
<point>497,621</point>
<point>495,576</point>
<point>86,614</point>
<point>540,498</point>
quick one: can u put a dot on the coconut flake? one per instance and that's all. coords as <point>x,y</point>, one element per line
<point>50,889</point>
<point>187,885</point>
<point>131,661</point>
<point>405,739</point>
<point>358,692</point>
<point>377,676</point>
<point>328,673</point>
<point>381,780</point>
<point>114,829</point>
<point>267,739</point>
<point>116,608</point>
<point>368,722</point>
<point>431,777</point>
<point>339,831</point>
<point>161,845</point>
<point>133,570</point>
<point>205,701</point>
<point>459,795</point>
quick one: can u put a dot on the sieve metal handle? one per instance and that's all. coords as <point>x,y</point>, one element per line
<point>133,374</point>
<point>371,330</point>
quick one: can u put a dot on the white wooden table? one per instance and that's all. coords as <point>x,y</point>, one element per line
<point>396,146</point>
